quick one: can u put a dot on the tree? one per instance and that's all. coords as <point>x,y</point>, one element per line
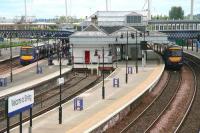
<point>176,13</point>
<point>160,17</point>
<point>62,19</point>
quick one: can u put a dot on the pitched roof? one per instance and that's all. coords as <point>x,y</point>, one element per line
<point>124,29</point>
<point>91,28</point>
<point>90,31</point>
<point>111,29</point>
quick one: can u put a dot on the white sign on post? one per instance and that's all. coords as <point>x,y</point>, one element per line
<point>37,51</point>
<point>20,102</point>
<point>118,49</point>
<point>61,81</point>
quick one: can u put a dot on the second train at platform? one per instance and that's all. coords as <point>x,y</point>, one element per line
<point>31,53</point>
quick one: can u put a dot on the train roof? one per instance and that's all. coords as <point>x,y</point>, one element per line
<point>51,42</point>
<point>39,44</point>
<point>25,47</point>
<point>174,47</point>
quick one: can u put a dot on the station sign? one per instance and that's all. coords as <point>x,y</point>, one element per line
<point>37,51</point>
<point>118,49</point>
<point>20,102</point>
<point>61,81</point>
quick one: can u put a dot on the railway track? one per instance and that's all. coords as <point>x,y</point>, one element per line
<point>176,113</point>
<point>49,99</point>
<point>169,119</point>
<point>191,121</point>
<point>142,104</point>
<point>5,66</point>
<point>144,120</point>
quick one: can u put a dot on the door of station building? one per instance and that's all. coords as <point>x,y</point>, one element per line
<point>87,57</point>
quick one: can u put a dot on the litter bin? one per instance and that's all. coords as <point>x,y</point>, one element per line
<point>39,70</point>
<point>50,60</point>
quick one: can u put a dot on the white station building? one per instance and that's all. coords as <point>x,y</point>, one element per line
<point>113,31</point>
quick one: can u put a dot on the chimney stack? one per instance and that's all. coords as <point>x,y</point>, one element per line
<point>94,19</point>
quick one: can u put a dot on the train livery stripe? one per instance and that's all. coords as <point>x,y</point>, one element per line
<point>175,59</point>
<point>175,48</point>
<point>26,57</point>
<point>26,47</point>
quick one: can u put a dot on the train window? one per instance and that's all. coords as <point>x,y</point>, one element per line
<point>27,51</point>
<point>175,53</point>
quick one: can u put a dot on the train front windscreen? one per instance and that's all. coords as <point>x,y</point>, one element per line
<point>26,51</point>
<point>175,53</point>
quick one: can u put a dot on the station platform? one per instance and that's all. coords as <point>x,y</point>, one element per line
<point>26,77</point>
<point>95,110</point>
<point>5,53</point>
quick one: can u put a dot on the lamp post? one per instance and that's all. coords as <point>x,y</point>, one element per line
<point>136,62</point>
<point>117,50</point>
<point>103,54</point>
<point>37,52</point>
<point>103,87</point>
<point>127,57</point>
<point>99,57</point>
<point>48,48</point>
<point>127,36</point>
<point>60,92</point>
<point>11,74</point>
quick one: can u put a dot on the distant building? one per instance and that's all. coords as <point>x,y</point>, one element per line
<point>173,25</point>
<point>87,44</point>
<point>109,29</point>
<point>117,19</point>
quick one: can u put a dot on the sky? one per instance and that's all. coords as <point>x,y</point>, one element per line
<point>82,8</point>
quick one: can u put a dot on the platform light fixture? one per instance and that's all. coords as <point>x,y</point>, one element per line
<point>37,52</point>
<point>11,59</point>
<point>127,41</point>
<point>136,62</point>
<point>60,89</point>
<point>103,68</point>
<point>103,86</point>
<point>118,50</point>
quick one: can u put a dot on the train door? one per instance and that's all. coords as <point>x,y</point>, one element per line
<point>87,57</point>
